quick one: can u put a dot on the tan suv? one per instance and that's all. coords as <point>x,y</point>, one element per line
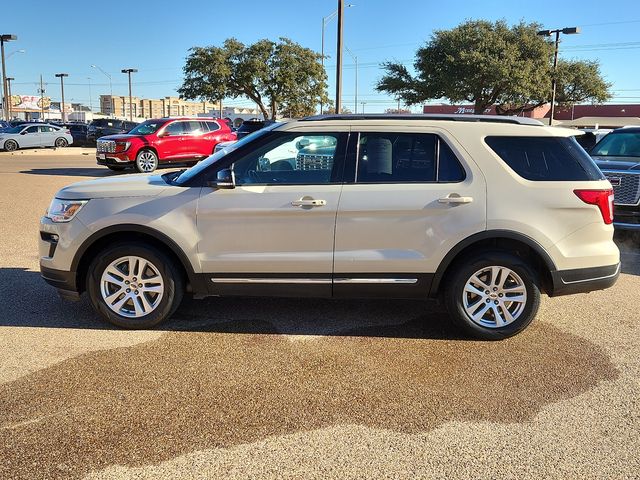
<point>484,212</point>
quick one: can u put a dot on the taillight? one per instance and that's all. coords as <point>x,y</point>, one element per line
<point>603,199</point>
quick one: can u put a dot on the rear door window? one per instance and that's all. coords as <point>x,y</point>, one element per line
<point>406,158</point>
<point>550,159</point>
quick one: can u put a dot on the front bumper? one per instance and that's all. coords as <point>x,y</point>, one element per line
<point>64,282</point>
<point>582,280</point>
<point>113,159</point>
<point>626,217</point>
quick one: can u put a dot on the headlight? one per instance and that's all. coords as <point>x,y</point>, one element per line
<point>61,211</point>
<point>122,146</point>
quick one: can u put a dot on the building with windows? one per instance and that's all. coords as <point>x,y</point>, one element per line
<point>118,106</point>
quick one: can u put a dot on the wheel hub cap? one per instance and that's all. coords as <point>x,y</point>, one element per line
<point>494,297</point>
<point>132,286</point>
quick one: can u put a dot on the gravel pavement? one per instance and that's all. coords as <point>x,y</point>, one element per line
<point>282,388</point>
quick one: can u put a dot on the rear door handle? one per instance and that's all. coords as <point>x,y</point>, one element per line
<point>308,202</point>
<point>455,199</point>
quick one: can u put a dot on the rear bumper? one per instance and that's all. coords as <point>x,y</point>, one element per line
<point>582,280</point>
<point>64,282</point>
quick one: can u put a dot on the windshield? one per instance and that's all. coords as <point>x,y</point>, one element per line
<point>618,144</point>
<point>187,175</point>
<point>146,128</point>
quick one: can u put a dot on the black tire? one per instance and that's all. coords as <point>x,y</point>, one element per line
<point>171,277</point>
<point>10,146</point>
<point>146,161</point>
<point>116,168</point>
<point>462,272</point>
<point>61,142</point>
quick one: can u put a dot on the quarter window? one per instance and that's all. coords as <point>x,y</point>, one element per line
<point>290,159</point>
<point>213,126</point>
<point>193,127</point>
<point>545,158</point>
<point>406,158</point>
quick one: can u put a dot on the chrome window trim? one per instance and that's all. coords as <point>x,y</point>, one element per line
<point>395,281</point>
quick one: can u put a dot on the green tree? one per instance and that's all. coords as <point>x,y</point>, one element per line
<point>277,76</point>
<point>489,63</point>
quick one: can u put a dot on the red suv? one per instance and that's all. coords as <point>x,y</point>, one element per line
<point>164,140</point>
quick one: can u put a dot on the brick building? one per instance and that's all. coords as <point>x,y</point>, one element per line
<point>118,106</point>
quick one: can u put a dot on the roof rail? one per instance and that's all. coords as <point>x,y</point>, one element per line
<point>427,116</point>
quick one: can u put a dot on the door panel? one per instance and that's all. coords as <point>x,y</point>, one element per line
<point>171,143</point>
<point>392,226</point>
<point>274,231</point>
<point>31,138</point>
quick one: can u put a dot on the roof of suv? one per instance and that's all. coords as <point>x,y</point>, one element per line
<point>428,116</point>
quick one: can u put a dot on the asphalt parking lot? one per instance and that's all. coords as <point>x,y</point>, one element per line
<point>279,388</point>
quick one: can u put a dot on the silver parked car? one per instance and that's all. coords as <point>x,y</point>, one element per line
<point>40,135</point>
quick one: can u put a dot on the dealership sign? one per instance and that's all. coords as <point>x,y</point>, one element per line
<point>29,103</point>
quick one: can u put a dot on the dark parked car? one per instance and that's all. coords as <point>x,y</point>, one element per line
<point>108,126</point>
<point>618,156</point>
<point>250,126</point>
<point>78,132</point>
<point>4,125</point>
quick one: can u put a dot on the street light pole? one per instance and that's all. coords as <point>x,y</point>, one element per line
<point>355,60</point>
<point>61,77</point>
<point>363,104</point>
<point>110,87</point>
<point>129,71</point>
<point>5,101</point>
<point>554,81</point>
<point>9,106</point>
<point>90,102</point>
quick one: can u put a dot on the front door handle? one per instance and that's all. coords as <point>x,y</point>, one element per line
<point>308,202</point>
<point>455,199</point>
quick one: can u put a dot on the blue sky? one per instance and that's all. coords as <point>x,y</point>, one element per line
<point>154,38</point>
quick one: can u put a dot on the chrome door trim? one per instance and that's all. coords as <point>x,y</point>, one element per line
<point>395,281</point>
<point>272,280</point>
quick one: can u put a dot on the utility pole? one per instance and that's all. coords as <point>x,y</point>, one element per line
<point>325,22</point>
<point>5,101</point>
<point>41,91</point>
<point>339,58</point>
<point>220,108</point>
<point>62,112</point>
<point>9,106</point>
<point>554,82</point>
<point>129,71</point>
<point>363,104</point>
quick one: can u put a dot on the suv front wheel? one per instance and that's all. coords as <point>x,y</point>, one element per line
<point>134,285</point>
<point>493,295</point>
<point>146,161</point>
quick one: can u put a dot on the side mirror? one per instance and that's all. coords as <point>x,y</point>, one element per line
<point>224,179</point>
<point>24,132</point>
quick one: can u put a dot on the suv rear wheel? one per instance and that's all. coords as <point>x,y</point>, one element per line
<point>492,296</point>
<point>146,161</point>
<point>133,285</point>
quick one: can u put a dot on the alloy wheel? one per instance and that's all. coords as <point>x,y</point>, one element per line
<point>494,297</point>
<point>132,286</point>
<point>147,161</point>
